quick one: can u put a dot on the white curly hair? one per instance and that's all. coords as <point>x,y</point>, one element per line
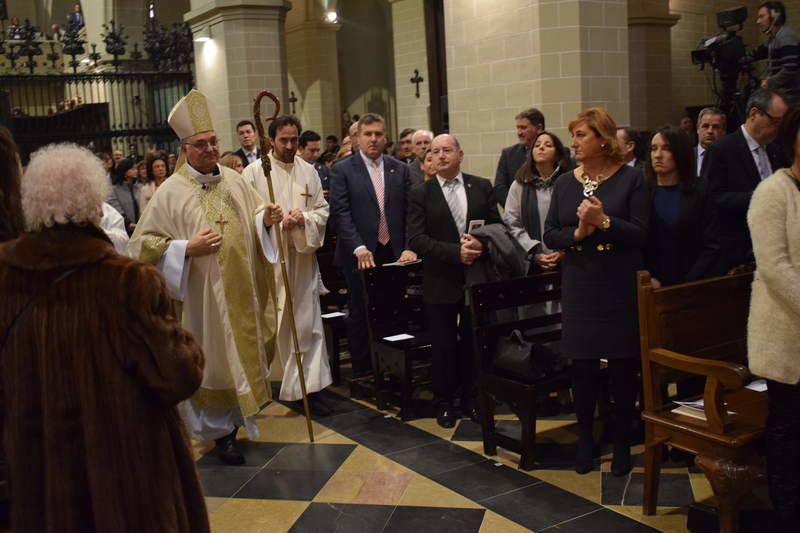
<point>63,183</point>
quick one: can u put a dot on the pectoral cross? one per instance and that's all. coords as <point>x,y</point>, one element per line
<point>307,195</point>
<point>221,223</point>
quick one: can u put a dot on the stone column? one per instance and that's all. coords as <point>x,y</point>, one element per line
<point>558,55</point>
<point>314,67</point>
<point>650,44</point>
<point>410,52</point>
<point>246,54</point>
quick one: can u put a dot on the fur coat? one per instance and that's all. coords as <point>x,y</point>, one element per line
<point>89,382</point>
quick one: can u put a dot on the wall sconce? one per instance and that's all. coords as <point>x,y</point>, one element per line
<point>331,17</point>
<point>203,35</point>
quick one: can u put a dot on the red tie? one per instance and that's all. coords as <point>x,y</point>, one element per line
<point>377,183</point>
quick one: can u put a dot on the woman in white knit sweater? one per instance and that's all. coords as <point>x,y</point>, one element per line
<point>774,325</point>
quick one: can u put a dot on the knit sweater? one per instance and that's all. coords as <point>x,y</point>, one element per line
<point>774,217</point>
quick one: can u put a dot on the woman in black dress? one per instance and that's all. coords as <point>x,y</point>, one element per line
<point>599,216</point>
<point>682,245</point>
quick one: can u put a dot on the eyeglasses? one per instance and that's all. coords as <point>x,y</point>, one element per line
<point>773,120</point>
<point>202,145</point>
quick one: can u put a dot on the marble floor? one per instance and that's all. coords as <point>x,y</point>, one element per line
<point>369,472</point>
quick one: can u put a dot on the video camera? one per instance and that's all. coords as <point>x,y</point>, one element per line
<point>724,50</point>
<point>726,54</point>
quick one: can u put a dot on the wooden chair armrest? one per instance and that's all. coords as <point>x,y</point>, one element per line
<point>731,376</point>
<point>720,376</point>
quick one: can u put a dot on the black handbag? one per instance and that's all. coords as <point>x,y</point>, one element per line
<point>528,361</point>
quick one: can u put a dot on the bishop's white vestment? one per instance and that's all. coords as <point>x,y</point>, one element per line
<point>225,299</point>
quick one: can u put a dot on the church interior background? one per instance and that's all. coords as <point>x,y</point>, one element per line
<point>462,66</point>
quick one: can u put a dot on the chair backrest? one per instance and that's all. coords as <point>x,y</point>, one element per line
<point>705,319</point>
<point>394,299</point>
<point>495,305</point>
<point>332,275</point>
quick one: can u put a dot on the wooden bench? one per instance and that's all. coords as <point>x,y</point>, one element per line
<point>394,306</point>
<point>700,329</point>
<point>493,307</point>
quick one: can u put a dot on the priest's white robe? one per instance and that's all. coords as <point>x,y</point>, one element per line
<point>297,186</point>
<point>226,299</point>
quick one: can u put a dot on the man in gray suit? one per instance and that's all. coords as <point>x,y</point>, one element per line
<point>529,124</point>
<point>420,142</point>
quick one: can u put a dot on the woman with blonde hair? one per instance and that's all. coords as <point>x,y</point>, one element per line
<point>599,215</point>
<point>93,366</point>
<point>233,161</point>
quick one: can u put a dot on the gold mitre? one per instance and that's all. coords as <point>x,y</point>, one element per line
<point>191,115</point>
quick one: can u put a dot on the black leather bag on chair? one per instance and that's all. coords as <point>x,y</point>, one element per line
<point>518,358</point>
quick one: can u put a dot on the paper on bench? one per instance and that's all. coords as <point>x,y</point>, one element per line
<point>402,263</point>
<point>335,314</point>
<point>400,337</point>
<point>759,385</point>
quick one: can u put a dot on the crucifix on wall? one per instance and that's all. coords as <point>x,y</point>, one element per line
<point>292,100</point>
<point>417,79</point>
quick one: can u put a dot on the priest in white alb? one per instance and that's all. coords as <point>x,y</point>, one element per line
<point>299,193</point>
<point>211,236</point>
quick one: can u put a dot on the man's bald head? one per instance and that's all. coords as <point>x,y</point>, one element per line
<point>352,132</point>
<point>447,153</point>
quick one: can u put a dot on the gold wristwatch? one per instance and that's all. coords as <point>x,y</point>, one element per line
<point>606,223</point>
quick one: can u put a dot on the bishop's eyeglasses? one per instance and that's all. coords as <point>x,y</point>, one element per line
<point>202,145</point>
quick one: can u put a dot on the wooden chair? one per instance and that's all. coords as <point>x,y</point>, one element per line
<point>493,307</point>
<point>700,329</point>
<point>394,306</point>
<point>335,301</point>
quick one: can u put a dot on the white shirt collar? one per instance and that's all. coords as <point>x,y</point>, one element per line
<point>751,143</point>
<point>442,181</point>
<point>371,162</point>
<point>214,177</point>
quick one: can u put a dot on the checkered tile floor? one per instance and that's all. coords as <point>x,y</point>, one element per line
<point>369,472</point>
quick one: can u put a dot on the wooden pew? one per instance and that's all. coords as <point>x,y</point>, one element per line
<point>492,306</point>
<point>394,306</point>
<point>700,329</point>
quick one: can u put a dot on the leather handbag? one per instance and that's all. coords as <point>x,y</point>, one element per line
<point>528,361</point>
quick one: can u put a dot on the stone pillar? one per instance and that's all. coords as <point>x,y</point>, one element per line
<point>558,55</point>
<point>246,54</point>
<point>410,52</point>
<point>313,67</point>
<point>650,44</point>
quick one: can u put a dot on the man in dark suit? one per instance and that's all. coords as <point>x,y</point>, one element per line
<point>249,150</point>
<point>734,166</point>
<point>368,202</point>
<point>439,214</point>
<point>529,124</point>
<point>309,148</point>
<point>629,140</point>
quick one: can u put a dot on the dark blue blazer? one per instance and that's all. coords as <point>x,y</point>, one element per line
<point>354,206</point>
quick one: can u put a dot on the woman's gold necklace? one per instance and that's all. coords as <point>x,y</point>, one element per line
<point>590,185</point>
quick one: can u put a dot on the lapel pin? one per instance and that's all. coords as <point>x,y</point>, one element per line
<point>391,171</point>
<point>469,185</point>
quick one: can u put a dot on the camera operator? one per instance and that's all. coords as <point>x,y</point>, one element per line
<point>782,51</point>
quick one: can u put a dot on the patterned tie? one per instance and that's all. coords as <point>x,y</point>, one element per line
<point>451,195</point>
<point>377,183</point>
<point>763,162</point>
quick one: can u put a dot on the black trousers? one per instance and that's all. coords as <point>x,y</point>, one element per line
<point>453,362</point>
<point>357,337</point>
<point>624,387</point>
<point>783,452</point>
